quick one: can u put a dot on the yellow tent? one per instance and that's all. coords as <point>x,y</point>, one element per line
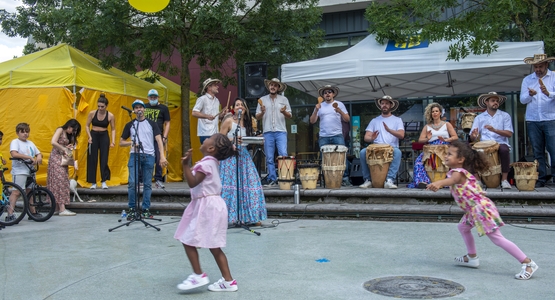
<point>48,87</point>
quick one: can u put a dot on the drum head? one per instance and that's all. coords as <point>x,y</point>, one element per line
<point>378,146</point>
<point>484,144</point>
<point>333,148</point>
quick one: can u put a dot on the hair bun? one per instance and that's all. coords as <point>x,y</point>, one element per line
<point>102,95</point>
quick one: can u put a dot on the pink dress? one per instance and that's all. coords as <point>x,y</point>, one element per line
<point>204,221</point>
<point>479,210</point>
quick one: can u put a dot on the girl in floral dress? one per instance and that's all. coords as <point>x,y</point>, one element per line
<point>479,211</point>
<point>63,142</point>
<point>243,180</point>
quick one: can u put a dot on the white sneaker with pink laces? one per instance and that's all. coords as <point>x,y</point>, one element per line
<point>194,281</point>
<point>223,286</point>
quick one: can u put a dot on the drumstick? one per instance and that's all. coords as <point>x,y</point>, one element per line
<point>228,97</point>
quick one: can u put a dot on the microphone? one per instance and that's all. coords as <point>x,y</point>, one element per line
<point>127,109</point>
<point>239,112</point>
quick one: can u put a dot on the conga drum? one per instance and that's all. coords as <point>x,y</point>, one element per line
<point>333,164</point>
<point>308,174</point>
<point>286,171</point>
<point>466,121</point>
<point>526,175</point>
<point>432,159</point>
<point>492,176</point>
<point>378,158</point>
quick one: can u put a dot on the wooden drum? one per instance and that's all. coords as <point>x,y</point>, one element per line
<point>378,158</point>
<point>466,121</point>
<point>432,159</point>
<point>308,174</point>
<point>526,175</point>
<point>491,177</point>
<point>333,164</point>
<point>286,171</point>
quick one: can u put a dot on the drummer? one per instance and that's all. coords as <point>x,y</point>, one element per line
<point>273,109</point>
<point>384,129</point>
<point>436,132</point>
<point>331,112</point>
<point>494,125</point>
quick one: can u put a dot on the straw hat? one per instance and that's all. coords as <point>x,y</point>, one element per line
<point>282,86</point>
<point>207,82</point>
<point>482,99</point>
<point>538,59</point>
<point>328,87</point>
<point>390,99</point>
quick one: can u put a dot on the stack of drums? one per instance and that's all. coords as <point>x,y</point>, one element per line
<point>526,175</point>
<point>308,174</point>
<point>492,176</point>
<point>433,161</point>
<point>333,164</point>
<point>378,158</point>
<point>466,121</point>
<point>286,171</point>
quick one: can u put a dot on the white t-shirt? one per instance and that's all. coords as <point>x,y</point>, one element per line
<point>209,105</point>
<point>384,137</point>
<point>25,148</point>
<point>330,121</point>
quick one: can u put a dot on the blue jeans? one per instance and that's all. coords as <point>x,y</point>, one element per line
<point>336,140</point>
<point>393,167</point>
<point>202,138</point>
<point>146,165</point>
<point>542,136</point>
<point>271,140</point>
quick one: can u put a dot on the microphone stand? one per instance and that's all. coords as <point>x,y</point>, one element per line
<point>238,146</point>
<point>139,153</point>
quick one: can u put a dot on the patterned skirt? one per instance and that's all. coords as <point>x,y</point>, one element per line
<point>242,182</point>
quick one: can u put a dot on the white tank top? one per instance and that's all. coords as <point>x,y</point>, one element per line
<point>231,133</point>
<point>442,131</point>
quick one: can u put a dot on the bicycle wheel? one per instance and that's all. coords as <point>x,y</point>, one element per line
<point>20,205</point>
<point>42,200</point>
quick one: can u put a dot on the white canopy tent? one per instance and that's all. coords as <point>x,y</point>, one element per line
<point>369,70</point>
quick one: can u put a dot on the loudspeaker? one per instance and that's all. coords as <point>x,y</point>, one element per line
<point>255,73</point>
<point>356,172</point>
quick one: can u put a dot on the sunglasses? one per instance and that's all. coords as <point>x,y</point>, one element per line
<point>328,92</point>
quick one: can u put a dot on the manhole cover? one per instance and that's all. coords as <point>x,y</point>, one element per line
<point>415,287</point>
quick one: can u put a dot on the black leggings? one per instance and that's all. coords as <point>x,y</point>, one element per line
<point>100,142</point>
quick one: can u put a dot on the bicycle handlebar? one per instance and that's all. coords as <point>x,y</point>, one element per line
<point>28,163</point>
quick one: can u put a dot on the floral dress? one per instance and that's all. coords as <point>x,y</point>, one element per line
<point>57,179</point>
<point>251,206</point>
<point>480,211</point>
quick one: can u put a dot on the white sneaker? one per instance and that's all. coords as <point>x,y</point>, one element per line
<point>389,184</point>
<point>505,184</point>
<point>367,183</point>
<point>93,187</point>
<point>104,186</point>
<point>67,212</point>
<point>194,281</point>
<point>223,286</point>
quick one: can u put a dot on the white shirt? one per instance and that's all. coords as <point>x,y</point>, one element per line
<point>25,148</point>
<point>539,107</point>
<point>441,132</point>
<point>273,119</point>
<point>500,121</point>
<point>209,105</point>
<point>384,137</point>
<point>330,120</point>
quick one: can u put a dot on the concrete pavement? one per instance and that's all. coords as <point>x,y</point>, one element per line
<point>77,258</point>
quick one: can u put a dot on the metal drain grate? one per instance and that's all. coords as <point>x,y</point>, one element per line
<point>415,287</point>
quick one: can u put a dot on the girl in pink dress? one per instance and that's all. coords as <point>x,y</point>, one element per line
<point>204,221</point>
<point>479,211</point>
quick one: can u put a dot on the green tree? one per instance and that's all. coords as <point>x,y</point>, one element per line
<point>472,25</point>
<point>214,33</point>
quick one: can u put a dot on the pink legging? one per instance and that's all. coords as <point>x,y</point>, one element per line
<point>496,237</point>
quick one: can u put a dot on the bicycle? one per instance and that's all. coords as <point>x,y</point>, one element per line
<point>19,208</point>
<point>39,198</point>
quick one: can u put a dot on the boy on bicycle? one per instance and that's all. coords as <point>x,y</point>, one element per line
<point>24,149</point>
<point>2,161</point>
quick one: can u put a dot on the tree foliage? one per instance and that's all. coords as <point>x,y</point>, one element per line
<point>472,25</point>
<point>214,33</point>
